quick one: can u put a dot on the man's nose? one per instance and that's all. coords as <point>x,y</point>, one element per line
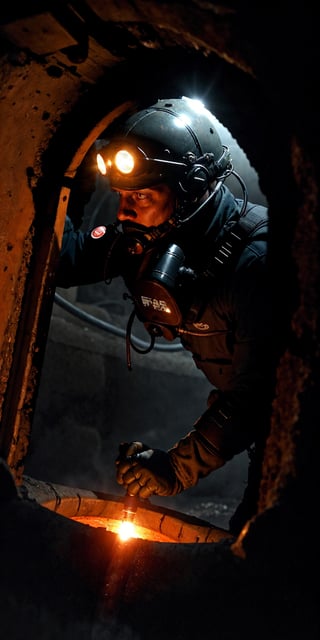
<point>126,199</point>
<point>126,205</point>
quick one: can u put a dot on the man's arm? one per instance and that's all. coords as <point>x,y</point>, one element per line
<point>84,257</point>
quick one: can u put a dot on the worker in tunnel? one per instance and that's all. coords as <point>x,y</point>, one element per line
<point>195,261</point>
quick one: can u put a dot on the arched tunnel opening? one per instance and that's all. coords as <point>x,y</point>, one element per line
<point>173,375</point>
<point>215,87</point>
<point>61,105</point>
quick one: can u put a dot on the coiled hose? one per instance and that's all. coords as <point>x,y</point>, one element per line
<point>110,328</point>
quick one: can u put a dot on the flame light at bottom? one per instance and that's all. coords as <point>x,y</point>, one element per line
<point>114,525</point>
<point>127,530</point>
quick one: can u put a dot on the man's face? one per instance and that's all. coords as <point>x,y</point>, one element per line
<point>146,207</point>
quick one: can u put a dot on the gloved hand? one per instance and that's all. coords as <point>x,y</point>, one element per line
<point>145,471</point>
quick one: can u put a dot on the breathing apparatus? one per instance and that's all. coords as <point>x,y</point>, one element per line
<point>174,141</point>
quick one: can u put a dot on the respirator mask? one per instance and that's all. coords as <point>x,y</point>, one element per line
<point>160,297</point>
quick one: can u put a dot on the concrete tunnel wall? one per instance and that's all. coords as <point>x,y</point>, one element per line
<point>58,93</point>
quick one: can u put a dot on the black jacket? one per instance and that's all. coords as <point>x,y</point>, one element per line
<point>230,331</point>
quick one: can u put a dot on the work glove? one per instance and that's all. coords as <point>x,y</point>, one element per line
<point>144,471</point>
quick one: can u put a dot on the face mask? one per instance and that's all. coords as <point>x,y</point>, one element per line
<point>156,296</point>
<point>139,239</point>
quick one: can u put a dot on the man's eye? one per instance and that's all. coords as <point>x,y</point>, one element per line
<point>140,196</point>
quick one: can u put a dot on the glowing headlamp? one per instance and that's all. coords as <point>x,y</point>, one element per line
<point>134,167</point>
<point>123,161</point>
<point>101,164</point>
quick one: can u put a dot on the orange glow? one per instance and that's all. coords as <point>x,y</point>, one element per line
<point>127,530</point>
<point>114,525</point>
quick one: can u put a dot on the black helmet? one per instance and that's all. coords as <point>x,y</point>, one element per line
<point>173,141</point>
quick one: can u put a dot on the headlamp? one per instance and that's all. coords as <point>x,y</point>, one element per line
<point>120,162</point>
<point>101,164</point>
<point>124,161</point>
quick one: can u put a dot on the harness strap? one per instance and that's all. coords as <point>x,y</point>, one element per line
<point>232,243</point>
<point>227,251</point>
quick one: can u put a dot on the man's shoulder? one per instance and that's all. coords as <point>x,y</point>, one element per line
<point>255,220</point>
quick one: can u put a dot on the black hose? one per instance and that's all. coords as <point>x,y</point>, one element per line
<point>110,328</point>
